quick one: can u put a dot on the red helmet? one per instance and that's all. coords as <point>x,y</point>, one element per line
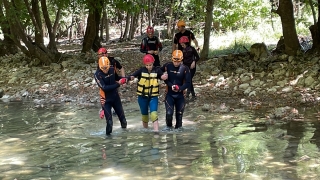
<point>150,30</point>
<point>148,58</point>
<point>102,51</point>
<point>184,39</point>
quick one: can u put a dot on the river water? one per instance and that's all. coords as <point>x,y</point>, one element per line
<point>69,142</point>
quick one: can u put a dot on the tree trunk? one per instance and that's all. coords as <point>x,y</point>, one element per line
<point>291,42</point>
<point>126,29</point>
<point>91,37</point>
<point>170,20</point>
<point>102,26</point>
<point>107,28</point>
<point>51,30</point>
<point>149,13</point>
<point>7,46</point>
<point>35,16</point>
<point>142,20</point>
<point>18,34</point>
<point>133,25</point>
<point>207,30</point>
<point>315,30</point>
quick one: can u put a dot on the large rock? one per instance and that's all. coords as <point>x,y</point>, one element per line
<point>259,50</point>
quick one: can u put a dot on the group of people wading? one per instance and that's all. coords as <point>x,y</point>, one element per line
<point>177,76</point>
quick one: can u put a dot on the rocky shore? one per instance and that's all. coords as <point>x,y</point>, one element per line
<point>273,81</point>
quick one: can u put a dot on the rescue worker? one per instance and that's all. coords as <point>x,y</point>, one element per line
<point>151,45</point>
<point>183,32</point>
<point>178,81</point>
<point>102,52</point>
<point>148,90</point>
<point>190,58</point>
<point>108,82</point>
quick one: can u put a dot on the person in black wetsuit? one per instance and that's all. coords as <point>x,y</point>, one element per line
<point>151,45</point>
<point>190,57</point>
<point>178,81</point>
<point>109,81</point>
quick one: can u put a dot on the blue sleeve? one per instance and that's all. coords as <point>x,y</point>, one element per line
<point>102,85</point>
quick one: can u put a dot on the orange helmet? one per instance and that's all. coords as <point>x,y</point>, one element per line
<point>150,30</point>
<point>184,39</point>
<point>181,23</point>
<point>102,51</point>
<point>104,63</point>
<point>177,55</point>
<point>148,58</point>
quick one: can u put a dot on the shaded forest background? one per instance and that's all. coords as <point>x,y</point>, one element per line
<point>34,27</point>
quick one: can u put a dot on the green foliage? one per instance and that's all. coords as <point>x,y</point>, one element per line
<point>234,14</point>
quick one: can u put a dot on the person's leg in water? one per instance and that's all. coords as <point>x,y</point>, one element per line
<point>143,102</point>
<point>117,106</point>
<point>169,104</point>
<point>108,116</point>
<point>179,105</point>
<point>153,104</point>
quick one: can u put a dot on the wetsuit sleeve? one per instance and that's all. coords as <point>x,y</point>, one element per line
<point>143,46</point>
<point>163,68</point>
<point>159,73</point>
<point>117,77</point>
<point>102,85</point>
<point>175,39</point>
<point>187,80</point>
<point>196,55</point>
<point>159,45</point>
<point>137,73</point>
<point>118,65</point>
<point>168,83</point>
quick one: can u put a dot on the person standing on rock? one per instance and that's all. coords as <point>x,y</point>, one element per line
<point>183,32</point>
<point>190,57</point>
<point>178,81</point>
<point>151,45</point>
<point>108,81</point>
<point>102,52</point>
<point>148,90</point>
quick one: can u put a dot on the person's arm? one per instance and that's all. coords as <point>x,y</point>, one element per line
<point>120,68</point>
<point>196,43</point>
<point>159,45</point>
<point>122,72</point>
<point>175,43</point>
<point>161,75</point>
<point>196,55</point>
<point>143,46</point>
<point>135,74</point>
<point>102,85</point>
<point>187,79</point>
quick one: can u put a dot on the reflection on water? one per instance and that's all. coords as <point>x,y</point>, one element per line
<point>69,143</point>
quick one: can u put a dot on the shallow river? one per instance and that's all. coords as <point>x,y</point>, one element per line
<point>69,142</point>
